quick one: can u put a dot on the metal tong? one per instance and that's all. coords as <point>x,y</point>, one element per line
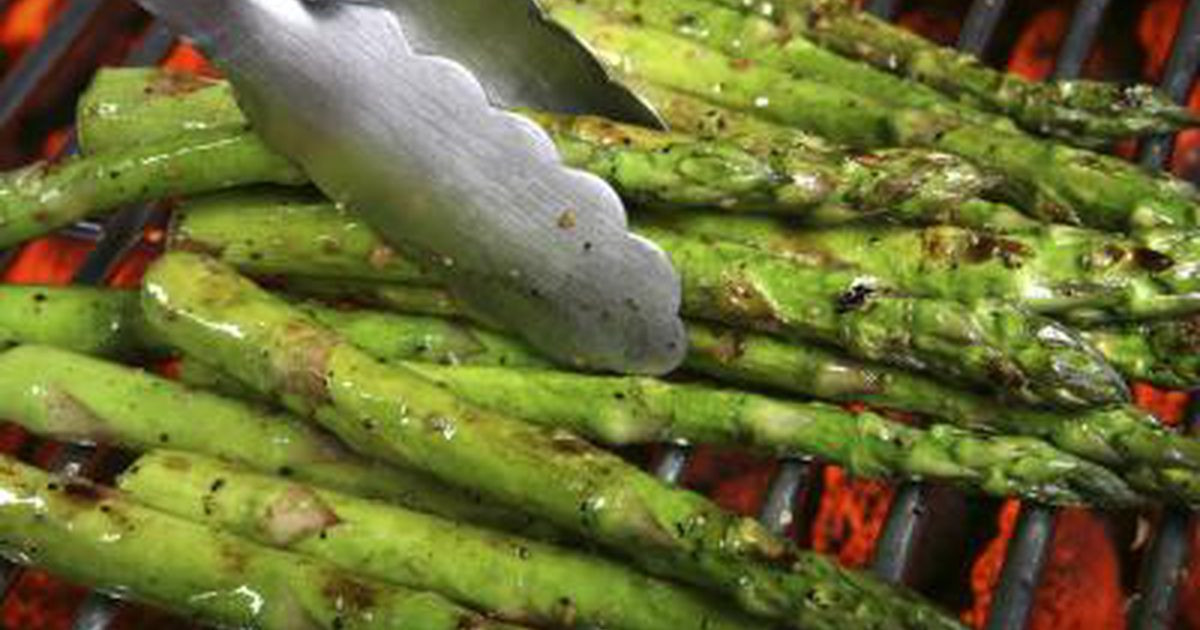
<point>395,109</point>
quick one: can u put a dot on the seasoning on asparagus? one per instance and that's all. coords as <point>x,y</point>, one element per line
<point>89,320</point>
<point>1163,353</point>
<point>70,397</point>
<point>515,579</point>
<point>990,345</point>
<point>1074,274</point>
<point>1079,110</point>
<point>757,171</point>
<point>38,199</point>
<point>621,411</point>
<point>1054,182</point>
<point>1120,437</point>
<point>99,537</point>
<point>396,415</point>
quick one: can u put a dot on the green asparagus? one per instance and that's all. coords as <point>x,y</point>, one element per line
<point>623,411</point>
<point>519,580</point>
<point>398,416</point>
<point>99,537</point>
<point>1054,182</point>
<point>71,397</point>
<point>88,320</point>
<point>122,98</point>
<point>656,169</point>
<point>630,410</point>
<point>1120,437</point>
<point>352,253</point>
<point>1082,111</point>
<point>1165,353</point>
<point>991,345</point>
<point>769,171</point>
<point>37,199</point>
<point>634,410</point>
<point>1071,273</point>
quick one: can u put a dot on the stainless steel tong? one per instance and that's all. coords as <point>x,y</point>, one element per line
<point>396,110</point>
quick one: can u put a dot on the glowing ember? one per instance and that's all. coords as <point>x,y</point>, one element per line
<point>39,601</point>
<point>1186,161</point>
<point>736,481</point>
<point>1081,586</point>
<point>1156,34</point>
<point>1036,51</point>
<point>25,23</point>
<point>850,517</point>
<point>186,59</point>
<point>938,21</point>
<point>51,260</point>
<point>986,571</point>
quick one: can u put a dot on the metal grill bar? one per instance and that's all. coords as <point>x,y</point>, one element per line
<point>1023,564</point>
<point>674,461</point>
<point>1158,586</point>
<point>898,542</point>
<point>779,510</point>
<point>980,25</point>
<point>1085,25</point>
<point>36,65</point>
<point>1177,79</point>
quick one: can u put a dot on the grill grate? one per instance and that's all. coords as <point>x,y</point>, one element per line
<point>1028,550</point>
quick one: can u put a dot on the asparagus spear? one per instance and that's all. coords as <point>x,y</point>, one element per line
<point>619,411</point>
<point>665,170</point>
<point>108,323</point>
<point>99,537</point>
<point>120,99</point>
<point>706,120</point>
<point>353,252</point>
<point>769,170</point>
<point>83,319</point>
<point>398,416</point>
<point>71,397</point>
<point>1071,273</point>
<point>1054,182</point>
<point>629,410</point>
<point>40,198</point>
<point>519,580</point>
<point>1082,111</point>
<point>1121,437</point>
<point>987,344</point>
<point>1165,353</point>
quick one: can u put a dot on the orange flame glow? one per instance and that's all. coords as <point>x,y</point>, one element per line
<point>850,517</point>
<point>25,23</point>
<point>1036,51</point>
<point>1156,34</point>
<point>185,58</point>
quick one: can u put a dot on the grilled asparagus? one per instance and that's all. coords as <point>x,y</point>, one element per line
<point>989,344</point>
<point>99,537</point>
<point>396,415</point>
<point>513,578</point>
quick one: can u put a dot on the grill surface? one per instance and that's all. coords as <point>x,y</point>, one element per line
<point>1153,607</point>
